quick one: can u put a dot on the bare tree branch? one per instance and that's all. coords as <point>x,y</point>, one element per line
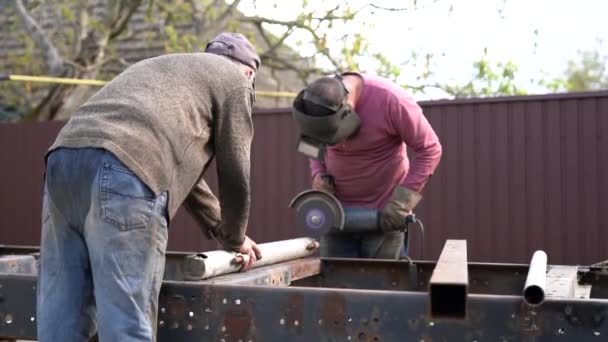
<point>269,53</point>
<point>392,9</point>
<point>53,59</point>
<point>302,71</point>
<point>76,66</point>
<point>210,28</point>
<point>126,8</point>
<point>198,16</point>
<point>291,24</point>
<point>83,23</point>
<point>397,9</point>
<point>228,11</point>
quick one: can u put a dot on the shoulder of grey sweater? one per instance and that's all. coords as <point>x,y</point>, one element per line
<point>211,76</point>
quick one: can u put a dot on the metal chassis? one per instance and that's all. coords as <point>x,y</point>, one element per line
<point>316,299</point>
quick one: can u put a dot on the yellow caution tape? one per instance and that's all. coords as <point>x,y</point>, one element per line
<point>275,93</point>
<point>41,79</point>
<point>99,83</point>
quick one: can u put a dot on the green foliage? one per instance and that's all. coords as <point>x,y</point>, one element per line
<point>63,21</point>
<point>26,61</point>
<point>588,73</point>
<point>306,42</point>
<point>488,79</point>
<point>386,68</point>
<point>176,42</point>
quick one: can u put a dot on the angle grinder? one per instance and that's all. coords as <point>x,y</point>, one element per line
<point>320,212</point>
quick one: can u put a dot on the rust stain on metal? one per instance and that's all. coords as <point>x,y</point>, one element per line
<point>176,306</point>
<point>305,268</point>
<point>238,323</point>
<point>295,305</point>
<point>530,320</point>
<point>333,313</point>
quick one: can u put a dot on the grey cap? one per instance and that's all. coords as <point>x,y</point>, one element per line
<point>235,46</point>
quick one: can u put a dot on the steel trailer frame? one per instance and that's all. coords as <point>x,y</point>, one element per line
<point>332,299</point>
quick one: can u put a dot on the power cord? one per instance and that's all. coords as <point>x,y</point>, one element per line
<point>412,219</point>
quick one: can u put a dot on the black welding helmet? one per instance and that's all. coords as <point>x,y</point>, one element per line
<point>323,114</point>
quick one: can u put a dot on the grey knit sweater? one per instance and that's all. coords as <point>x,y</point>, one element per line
<point>166,118</point>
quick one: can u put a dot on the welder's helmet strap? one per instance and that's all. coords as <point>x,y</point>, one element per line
<point>307,96</point>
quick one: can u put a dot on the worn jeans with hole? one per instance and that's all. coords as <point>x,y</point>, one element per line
<point>376,245</point>
<point>102,259</point>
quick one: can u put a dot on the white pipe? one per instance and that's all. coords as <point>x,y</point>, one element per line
<point>534,290</point>
<point>219,262</point>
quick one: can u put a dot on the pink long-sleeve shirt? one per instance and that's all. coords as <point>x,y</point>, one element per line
<point>367,167</point>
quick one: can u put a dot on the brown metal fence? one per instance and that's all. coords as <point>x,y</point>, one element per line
<point>517,174</point>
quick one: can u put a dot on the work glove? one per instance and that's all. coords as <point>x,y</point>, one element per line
<point>323,181</point>
<point>399,206</point>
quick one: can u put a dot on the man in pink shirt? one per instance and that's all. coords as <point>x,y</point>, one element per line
<point>366,164</point>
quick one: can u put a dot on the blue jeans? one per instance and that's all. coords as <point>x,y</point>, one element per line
<point>377,245</point>
<point>102,256</point>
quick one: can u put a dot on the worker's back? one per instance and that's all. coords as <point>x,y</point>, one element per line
<point>158,118</point>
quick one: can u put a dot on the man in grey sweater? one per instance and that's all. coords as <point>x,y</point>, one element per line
<point>119,170</point>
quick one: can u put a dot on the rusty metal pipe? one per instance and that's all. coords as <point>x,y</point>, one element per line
<point>534,290</point>
<point>219,262</point>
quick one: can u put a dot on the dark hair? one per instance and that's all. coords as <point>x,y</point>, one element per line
<point>323,97</point>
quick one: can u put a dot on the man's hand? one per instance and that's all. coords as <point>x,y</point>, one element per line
<point>249,248</point>
<point>401,204</point>
<point>323,181</point>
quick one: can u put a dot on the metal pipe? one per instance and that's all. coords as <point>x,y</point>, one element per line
<point>281,274</point>
<point>534,290</point>
<point>219,262</point>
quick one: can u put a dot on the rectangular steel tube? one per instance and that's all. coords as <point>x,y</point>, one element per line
<point>449,283</point>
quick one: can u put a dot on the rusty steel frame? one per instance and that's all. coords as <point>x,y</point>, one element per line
<point>316,299</point>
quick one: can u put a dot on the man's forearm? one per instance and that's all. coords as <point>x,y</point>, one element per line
<point>422,167</point>
<point>204,207</point>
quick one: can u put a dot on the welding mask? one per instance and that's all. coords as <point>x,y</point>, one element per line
<point>324,120</point>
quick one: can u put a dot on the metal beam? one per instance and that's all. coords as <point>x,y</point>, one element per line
<point>195,311</point>
<point>561,282</point>
<point>253,313</point>
<point>449,282</point>
<point>18,306</point>
<point>23,264</point>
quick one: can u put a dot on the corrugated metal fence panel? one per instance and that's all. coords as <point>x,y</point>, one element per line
<point>517,174</point>
<point>21,173</point>
<point>278,173</point>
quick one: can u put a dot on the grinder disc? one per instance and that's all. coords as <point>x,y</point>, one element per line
<point>318,213</point>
